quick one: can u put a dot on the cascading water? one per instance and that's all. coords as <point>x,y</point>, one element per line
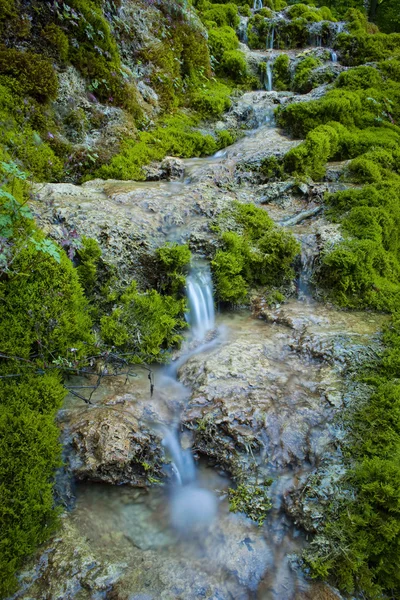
<point>242,30</point>
<point>201,314</point>
<point>190,504</point>
<point>333,56</point>
<point>271,38</point>
<point>257,5</point>
<point>269,80</point>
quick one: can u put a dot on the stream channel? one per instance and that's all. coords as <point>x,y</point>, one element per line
<point>265,389</point>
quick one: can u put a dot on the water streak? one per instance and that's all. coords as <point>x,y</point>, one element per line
<point>333,56</point>
<point>257,5</point>
<point>269,81</point>
<point>201,315</point>
<point>271,38</point>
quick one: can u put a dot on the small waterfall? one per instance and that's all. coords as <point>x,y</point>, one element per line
<point>190,505</point>
<point>333,56</point>
<point>242,30</point>
<point>201,314</point>
<point>269,80</point>
<point>257,5</point>
<point>271,38</point>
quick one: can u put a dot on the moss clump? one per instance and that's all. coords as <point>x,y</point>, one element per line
<point>221,14</point>
<point>281,72</point>
<point>146,324</point>
<point>220,40</point>
<point>173,264</point>
<point>58,41</point>
<point>302,80</point>
<point>34,73</point>
<point>252,500</point>
<point>44,319</point>
<point>254,252</point>
<point>234,65</point>
<point>29,455</point>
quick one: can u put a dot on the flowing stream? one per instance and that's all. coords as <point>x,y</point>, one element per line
<point>274,382</point>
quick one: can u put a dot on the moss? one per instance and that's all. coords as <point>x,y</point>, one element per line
<point>302,80</point>
<point>146,324</point>
<point>281,72</point>
<point>176,136</point>
<point>220,40</point>
<point>34,73</point>
<point>30,453</point>
<point>256,253</point>
<point>252,500</point>
<point>357,49</point>
<point>173,265</point>
<point>234,65</point>
<point>210,99</point>
<point>222,14</point>
<point>57,40</point>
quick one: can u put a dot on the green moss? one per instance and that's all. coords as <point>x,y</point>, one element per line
<point>173,265</point>
<point>57,40</point>
<point>302,80</point>
<point>146,324</point>
<point>176,136</point>
<point>255,253</point>
<point>222,14</point>
<point>252,500</point>
<point>34,73</point>
<point>210,99</point>
<point>30,453</point>
<point>281,72</point>
<point>220,40</point>
<point>234,66</point>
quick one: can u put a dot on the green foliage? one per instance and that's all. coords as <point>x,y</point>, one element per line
<point>173,264</point>
<point>89,256</point>
<point>210,99</point>
<point>254,252</point>
<point>57,40</point>
<point>302,82</point>
<point>29,455</point>
<point>252,500</point>
<point>281,72</point>
<point>220,40</point>
<point>357,49</point>
<point>221,14</point>
<point>35,74</point>
<point>146,324</point>
<point>234,65</point>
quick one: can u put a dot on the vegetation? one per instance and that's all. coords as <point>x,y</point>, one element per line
<point>253,253</point>
<point>252,500</point>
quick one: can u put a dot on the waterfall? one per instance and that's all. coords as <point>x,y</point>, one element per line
<point>271,38</point>
<point>269,76</point>
<point>257,5</point>
<point>242,30</point>
<point>201,315</point>
<point>333,56</point>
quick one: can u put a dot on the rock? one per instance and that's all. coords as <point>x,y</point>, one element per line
<point>109,445</point>
<point>170,168</point>
<point>67,570</point>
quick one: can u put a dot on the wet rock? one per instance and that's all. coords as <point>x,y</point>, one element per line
<point>109,445</point>
<point>170,168</point>
<point>67,570</point>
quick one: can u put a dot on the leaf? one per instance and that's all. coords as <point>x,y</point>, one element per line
<point>12,169</point>
<point>47,247</point>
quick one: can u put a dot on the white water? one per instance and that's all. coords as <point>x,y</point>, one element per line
<point>190,504</point>
<point>270,39</point>
<point>269,81</point>
<point>201,315</point>
<point>333,56</point>
<point>257,5</point>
